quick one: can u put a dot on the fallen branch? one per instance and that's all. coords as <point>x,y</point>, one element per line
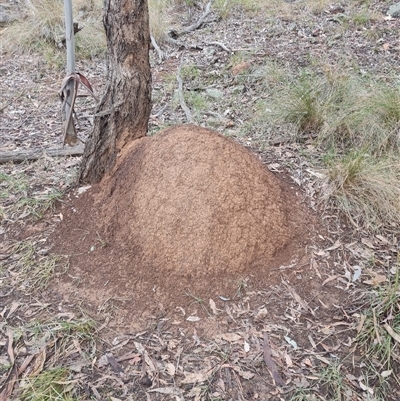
<point>222,46</point>
<point>270,362</point>
<point>11,101</point>
<point>161,55</point>
<point>34,154</point>
<point>392,333</point>
<point>186,109</point>
<point>197,24</point>
<point>12,376</point>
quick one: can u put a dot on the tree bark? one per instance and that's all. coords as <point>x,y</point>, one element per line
<point>123,112</point>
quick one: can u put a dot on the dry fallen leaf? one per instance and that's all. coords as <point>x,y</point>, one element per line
<point>269,361</point>
<point>261,314</point>
<point>39,362</point>
<point>320,253</point>
<point>376,279</point>
<point>195,392</point>
<point>166,390</point>
<point>231,337</point>
<point>384,240</point>
<point>361,323</point>
<point>368,243</point>
<point>336,245</point>
<point>14,306</point>
<point>213,307</point>
<point>288,359</point>
<point>243,373</point>
<point>102,361</point>
<point>365,388</point>
<point>327,330</point>
<point>392,333</point>
<point>198,377</point>
<point>170,369</point>
<point>330,278</point>
<point>308,362</point>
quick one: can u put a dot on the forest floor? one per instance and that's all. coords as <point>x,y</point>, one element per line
<point>296,335</point>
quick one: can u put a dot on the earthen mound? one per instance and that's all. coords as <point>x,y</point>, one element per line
<point>185,208</point>
<point>194,203</point>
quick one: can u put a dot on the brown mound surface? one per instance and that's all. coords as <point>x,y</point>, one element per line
<point>187,208</point>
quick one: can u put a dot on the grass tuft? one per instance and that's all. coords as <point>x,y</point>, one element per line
<point>36,269</point>
<point>358,123</point>
<point>18,198</point>
<point>226,7</point>
<point>49,385</point>
<point>366,189</point>
<point>380,333</point>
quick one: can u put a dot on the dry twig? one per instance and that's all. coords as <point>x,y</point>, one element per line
<point>186,109</point>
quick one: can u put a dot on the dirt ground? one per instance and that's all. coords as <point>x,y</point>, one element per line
<point>159,257</point>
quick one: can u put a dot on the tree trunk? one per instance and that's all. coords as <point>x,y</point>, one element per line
<point>123,112</point>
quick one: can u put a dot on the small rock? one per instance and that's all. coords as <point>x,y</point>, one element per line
<point>4,18</point>
<point>394,10</point>
<point>146,381</point>
<point>239,68</point>
<point>6,15</point>
<point>214,93</point>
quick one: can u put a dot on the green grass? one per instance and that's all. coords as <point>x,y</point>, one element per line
<point>17,183</point>
<point>82,329</point>
<point>18,200</point>
<point>302,394</point>
<point>189,72</point>
<point>37,206</point>
<point>36,270</point>
<point>329,383</point>
<point>197,102</point>
<point>51,381</point>
<point>314,104</point>
<point>49,385</point>
<point>332,382</point>
<point>363,17</point>
<point>357,123</point>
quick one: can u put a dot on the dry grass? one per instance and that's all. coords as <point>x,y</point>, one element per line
<point>42,30</point>
<point>159,14</point>
<point>378,334</point>
<point>367,189</point>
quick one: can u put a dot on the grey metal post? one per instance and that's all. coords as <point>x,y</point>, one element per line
<point>69,90</point>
